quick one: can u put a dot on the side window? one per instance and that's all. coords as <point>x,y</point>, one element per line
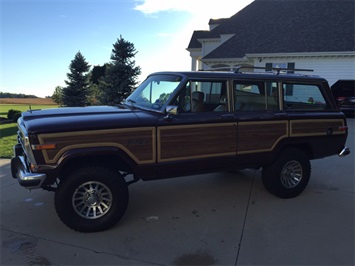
<point>254,96</point>
<point>183,99</point>
<point>155,91</point>
<point>303,97</point>
<point>203,96</point>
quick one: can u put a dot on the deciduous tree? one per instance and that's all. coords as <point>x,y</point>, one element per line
<point>57,95</point>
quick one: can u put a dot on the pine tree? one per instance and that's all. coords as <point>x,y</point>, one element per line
<point>121,73</point>
<point>97,73</point>
<point>77,92</point>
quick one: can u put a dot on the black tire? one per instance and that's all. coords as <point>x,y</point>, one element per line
<point>289,175</point>
<point>91,198</point>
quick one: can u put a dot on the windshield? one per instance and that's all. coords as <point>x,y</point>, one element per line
<point>154,92</point>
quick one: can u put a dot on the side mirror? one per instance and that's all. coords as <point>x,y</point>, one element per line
<point>171,110</point>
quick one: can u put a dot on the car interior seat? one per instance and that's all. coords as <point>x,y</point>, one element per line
<point>197,101</point>
<point>222,104</point>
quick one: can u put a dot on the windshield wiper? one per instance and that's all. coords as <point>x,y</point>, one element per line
<point>130,101</point>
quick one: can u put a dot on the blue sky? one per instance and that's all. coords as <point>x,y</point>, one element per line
<point>39,38</point>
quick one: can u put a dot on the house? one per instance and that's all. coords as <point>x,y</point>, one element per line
<point>312,34</point>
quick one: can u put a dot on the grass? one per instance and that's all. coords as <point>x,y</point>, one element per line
<point>8,131</point>
<point>7,139</point>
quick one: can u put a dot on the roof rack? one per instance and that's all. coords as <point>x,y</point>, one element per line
<point>237,69</point>
<point>218,69</point>
<point>277,69</point>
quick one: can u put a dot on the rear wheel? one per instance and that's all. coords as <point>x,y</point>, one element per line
<point>91,198</point>
<point>289,175</point>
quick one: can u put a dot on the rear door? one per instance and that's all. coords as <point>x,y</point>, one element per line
<point>261,123</point>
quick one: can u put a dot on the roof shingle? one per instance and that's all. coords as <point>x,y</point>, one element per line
<point>287,26</point>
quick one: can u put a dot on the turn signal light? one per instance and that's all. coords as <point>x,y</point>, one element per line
<point>38,147</point>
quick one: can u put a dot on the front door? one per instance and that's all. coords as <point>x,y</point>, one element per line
<point>203,136</point>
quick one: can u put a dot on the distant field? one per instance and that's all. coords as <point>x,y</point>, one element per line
<point>23,104</point>
<point>40,101</point>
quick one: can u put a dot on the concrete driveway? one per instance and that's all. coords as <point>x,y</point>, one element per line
<point>214,219</point>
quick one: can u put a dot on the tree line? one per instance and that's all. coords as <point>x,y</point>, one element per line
<point>103,85</point>
<point>15,95</point>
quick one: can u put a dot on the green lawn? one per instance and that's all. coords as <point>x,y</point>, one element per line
<point>7,139</point>
<point>8,131</point>
<point>4,108</point>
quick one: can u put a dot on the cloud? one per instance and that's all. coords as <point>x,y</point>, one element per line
<point>150,7</point>
<point>173,55</point>
<point>216,9</point>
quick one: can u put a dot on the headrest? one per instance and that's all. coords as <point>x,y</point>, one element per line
<point>198,96</point>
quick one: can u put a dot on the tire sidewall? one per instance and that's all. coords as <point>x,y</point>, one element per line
<point>271,175</point>
<point>64,195</point>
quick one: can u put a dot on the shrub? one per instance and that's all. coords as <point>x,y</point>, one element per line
<point>13,114</point>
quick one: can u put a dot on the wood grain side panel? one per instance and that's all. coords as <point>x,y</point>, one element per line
<point>197,141</point>
<point>138,143</point>
<point>300,128</point>
<point>260,136</point>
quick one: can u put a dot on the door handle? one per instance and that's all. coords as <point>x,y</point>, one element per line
<point>281,115</point>
<point>228,116</point>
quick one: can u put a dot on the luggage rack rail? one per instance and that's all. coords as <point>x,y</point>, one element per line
<point>278,70</point>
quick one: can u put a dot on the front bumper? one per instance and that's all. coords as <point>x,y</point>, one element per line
<point>24,176</point>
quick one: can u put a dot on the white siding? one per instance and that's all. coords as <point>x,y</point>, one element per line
<point>209,45</point>
<point>330,68</point>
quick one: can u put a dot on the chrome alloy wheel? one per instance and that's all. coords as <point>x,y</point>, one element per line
<point>291,174</point>
<point>92,200</point>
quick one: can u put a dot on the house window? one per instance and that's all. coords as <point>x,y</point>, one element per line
<point>289,65</point>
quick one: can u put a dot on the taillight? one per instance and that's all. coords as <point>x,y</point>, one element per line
<point>343,128</point>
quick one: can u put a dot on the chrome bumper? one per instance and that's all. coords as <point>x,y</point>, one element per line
<point>345,151</point>
<point>25,178</point>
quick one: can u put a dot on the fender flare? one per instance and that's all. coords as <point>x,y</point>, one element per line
<point>113,153</point>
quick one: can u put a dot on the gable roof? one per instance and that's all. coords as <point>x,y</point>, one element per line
<point>286,26</point>
<point>217,21</point>
<point>197,34</point>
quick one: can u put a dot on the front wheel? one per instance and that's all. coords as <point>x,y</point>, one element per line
<point>289,175</point>
<point>91,198</point>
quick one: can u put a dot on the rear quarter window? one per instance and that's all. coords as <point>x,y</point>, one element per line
<point>304,97</point>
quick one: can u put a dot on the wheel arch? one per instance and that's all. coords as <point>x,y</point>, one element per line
<point>304,147</point>
<point>273,156</point>
<point>108,156</point>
